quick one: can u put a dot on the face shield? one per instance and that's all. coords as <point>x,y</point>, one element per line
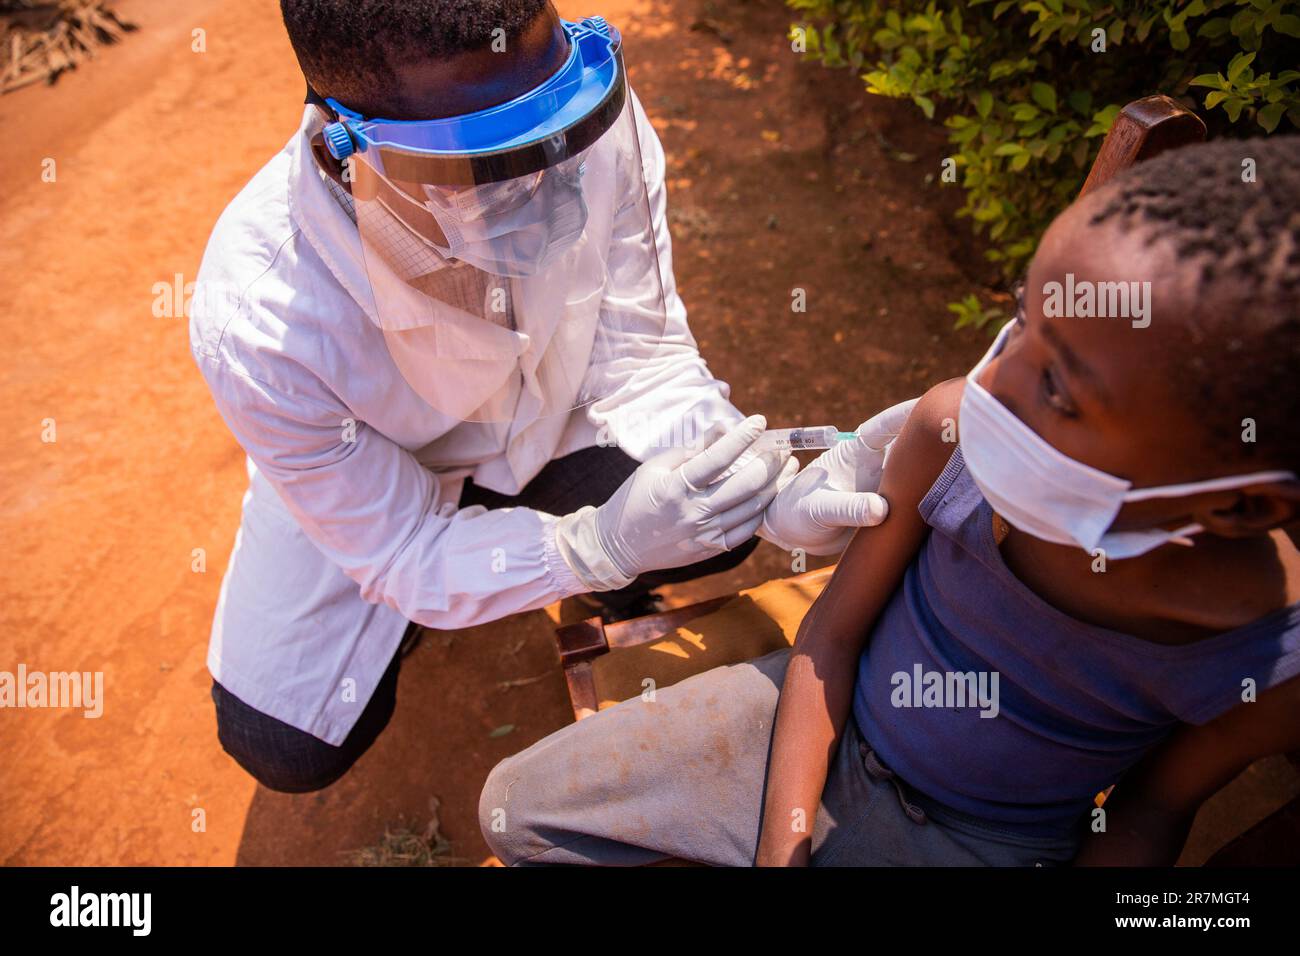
<point>511,253</point>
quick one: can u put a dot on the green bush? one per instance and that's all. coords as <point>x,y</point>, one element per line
<point>1028,89</point>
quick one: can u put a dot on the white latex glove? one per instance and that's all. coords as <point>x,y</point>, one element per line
<point>826,502</point>
<point>667,514</point>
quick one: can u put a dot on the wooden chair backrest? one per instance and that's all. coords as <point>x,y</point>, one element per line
<point>1143,129</point>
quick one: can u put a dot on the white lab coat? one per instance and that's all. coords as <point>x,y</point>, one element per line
<point>349,530</point>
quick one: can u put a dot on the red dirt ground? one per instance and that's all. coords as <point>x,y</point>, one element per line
<point>783,175</point>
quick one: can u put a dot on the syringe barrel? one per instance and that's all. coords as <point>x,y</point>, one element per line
<point>797,439</point>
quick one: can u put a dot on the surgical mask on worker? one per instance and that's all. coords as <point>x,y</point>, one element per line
<point>1048,494</point>
<point>488,199</point>
<point>513,228</point>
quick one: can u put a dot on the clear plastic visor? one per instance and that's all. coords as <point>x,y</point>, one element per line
<point>511,297</point>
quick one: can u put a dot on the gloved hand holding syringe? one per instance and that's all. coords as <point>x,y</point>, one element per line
<point>825,504</point>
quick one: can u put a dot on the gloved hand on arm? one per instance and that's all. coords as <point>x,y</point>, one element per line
<point>668,514</point>
<point>820,508</point>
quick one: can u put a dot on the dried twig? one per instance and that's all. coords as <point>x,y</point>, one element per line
<point>520,682</point>
<point>403,846</point>
<point>40,40</point>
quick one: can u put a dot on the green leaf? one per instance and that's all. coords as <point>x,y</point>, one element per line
<point>502,730</point>
<point>1034,127</point>
<point>1212,80</point>
<point>1238,65</point>
<point>926,104</point>
<point>1044,96</point>
<point>1213,29</point>
<point>984,104</point>
<point>1270,115</point>
<point>1104,117</point>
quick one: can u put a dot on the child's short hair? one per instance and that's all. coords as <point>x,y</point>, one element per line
<point>346,46</point>
<point>1231,210</point>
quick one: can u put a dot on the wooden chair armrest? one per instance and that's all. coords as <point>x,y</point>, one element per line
<point>591,638</point>
<point>581,643</point>
<point>584,641</point>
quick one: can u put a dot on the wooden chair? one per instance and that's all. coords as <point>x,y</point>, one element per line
<point>671,645</point>
<point>1143,129</point>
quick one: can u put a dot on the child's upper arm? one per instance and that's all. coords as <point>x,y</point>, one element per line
<point>923,447</point>
<point>873,564</point>
<point>916,460</point>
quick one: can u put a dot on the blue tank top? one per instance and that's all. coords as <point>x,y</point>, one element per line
<point>1076,705</point>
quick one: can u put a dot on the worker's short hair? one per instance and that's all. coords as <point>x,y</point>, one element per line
<point>346,47</point>
<point>1230,212</point>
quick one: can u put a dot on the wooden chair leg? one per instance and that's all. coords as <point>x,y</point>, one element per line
<point>1274,841</point>
<point>582,689</point>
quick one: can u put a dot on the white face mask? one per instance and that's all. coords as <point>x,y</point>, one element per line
<point>1049,495</point>
<point>489,199</point>
<point>515,228</point>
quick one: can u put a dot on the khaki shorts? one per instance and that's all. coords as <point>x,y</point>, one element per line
<point>682,776</point>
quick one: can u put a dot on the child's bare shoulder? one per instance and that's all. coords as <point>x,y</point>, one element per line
<point>925,444</point>
<point>935,415</point>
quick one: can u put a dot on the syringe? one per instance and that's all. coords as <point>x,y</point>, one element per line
<point>801,439</point>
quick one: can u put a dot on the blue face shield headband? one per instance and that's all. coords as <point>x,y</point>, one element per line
<point>535,131</point>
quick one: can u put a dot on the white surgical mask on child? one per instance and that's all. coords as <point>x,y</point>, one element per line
<point>1049,495</point>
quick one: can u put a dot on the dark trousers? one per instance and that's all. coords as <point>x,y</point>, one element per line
<point>284,758</point>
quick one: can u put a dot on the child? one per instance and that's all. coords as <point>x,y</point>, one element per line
<point>1026,628</point>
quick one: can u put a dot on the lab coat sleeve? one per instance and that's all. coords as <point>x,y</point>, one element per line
<point>373,510</point>
<point>656,390</point>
